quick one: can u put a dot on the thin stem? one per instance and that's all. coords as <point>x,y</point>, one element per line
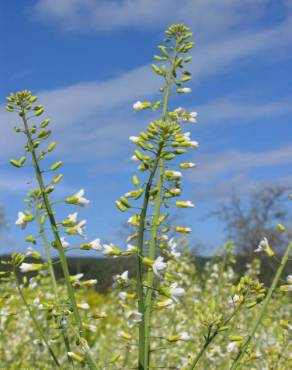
<point>52,275</point>
<point>34,320</point>
<point>88,357</point>
<point>210,338</point>
<point>155,223</point>
<point>257,321</point>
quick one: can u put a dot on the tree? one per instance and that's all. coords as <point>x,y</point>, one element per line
<point>247,221</point>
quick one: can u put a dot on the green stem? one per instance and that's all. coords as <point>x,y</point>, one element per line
<point>140,243</point>
<point>155,223</point>
<point>88,357</point>
<point>257,321</point>
<point>52,275</point>
<point>34,320</point>
<point>152,252</point>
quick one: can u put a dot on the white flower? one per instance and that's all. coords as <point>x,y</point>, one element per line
<point>184,90</point>
<point>180,111</point>
<point>134,139</point>
<point>133,317</point>
<point>33,253</point>
<point>185,116</point>
<point>121,280</point>
<point>232,346</point>
<point>138,106</point>
<point>172,246</point>
<point>64,243</point>
<point>77,229</point>
<point>90,282</point>
<point>123,295</point>
<point>27,267</point>
<point>96,245</point>
<point>80,228</point>
<point>184,336</point>
<point>289,279</point>
<point>232,300</point>
<point>166,303</point>
<point>141,105</point>
<point>170,173</point>
<point>21,220</point>
<point>175,292</point>
<point>134,158</point>
<point>78,199</point>
<point>83,306</point>
<point>193,117</point>
<point>76,277</point>
<point>187,165</point>
<point>159,266</point>
<point>90,327</point>
<point>132,248</point>
<point>184,204</point>
<point>72,217</point>
<point>111,250</point>
<point>187,136</point>
<point>265,247</point>
<point>194,144</point>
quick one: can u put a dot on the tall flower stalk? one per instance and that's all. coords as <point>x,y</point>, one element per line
<point>162,142</point>
<point>24,103</point>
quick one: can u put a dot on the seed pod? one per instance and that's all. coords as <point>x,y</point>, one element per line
<point>56,165</point>
<point>51,146</point>
<point>38,112</point>
<point>120,206</point>
<point>125,202</point>
<point>33,99</point>
<point>45,123</point>
<point>15,163</point>
<point>251,304</point>
<point>9,107</point>
<point>58,178</point>
<point>135,181</point>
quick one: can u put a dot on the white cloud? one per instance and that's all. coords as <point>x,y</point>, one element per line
<point>228,110</point>
<point>98,114</point>
<point>219,165</point>
<point>107,15</point>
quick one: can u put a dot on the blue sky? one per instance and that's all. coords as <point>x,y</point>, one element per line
<point>88,61</point>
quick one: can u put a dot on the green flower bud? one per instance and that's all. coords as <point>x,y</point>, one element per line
<point>284,324</point>
<point>236,338</point>
<point>33,99</point>
<point>169,156</point>
<point>281,227</point>
<point>9,107</point>
<point>179,151</point>
<point>49,189</point>
<point>30,239</point>
<point>74,356</point>
<point>251,304</point>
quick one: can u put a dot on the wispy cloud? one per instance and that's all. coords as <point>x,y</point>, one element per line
<point>88,112</point>
<point>229,110</point>
<point>108,15</point>
<point>218,165</point>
